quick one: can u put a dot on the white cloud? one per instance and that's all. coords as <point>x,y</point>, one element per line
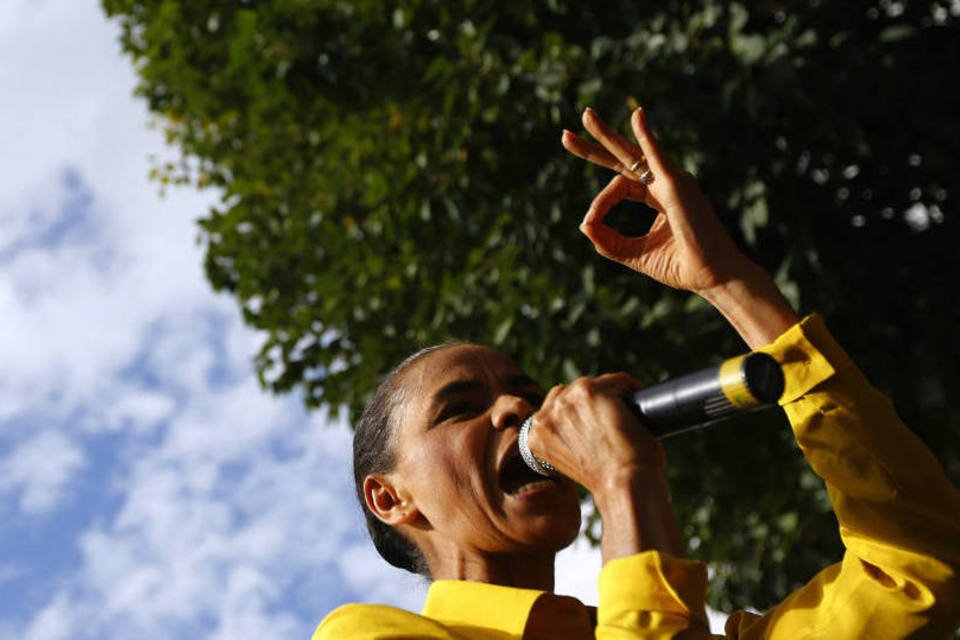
<point>245,609</point>
<point>373,580</point>
<point>39,469</point>
<point>136,409</point>
<point>230,532</point>
<point>78,307</point>
<point>54,622</point>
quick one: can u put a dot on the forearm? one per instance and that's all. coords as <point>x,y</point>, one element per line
<point>637,516</point>
<point>753,305</point>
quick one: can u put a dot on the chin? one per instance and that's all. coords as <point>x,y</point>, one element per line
<point>558,528</point>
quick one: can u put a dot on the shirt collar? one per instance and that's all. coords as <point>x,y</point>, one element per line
<point>504,609</point>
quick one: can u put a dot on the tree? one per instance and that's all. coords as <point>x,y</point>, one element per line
<point>392,177</point>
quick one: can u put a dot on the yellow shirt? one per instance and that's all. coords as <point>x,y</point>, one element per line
<point>899,521</point>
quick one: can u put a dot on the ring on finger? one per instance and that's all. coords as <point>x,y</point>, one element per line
<point>641,162</point>
<point>647,176</point>
<point>539,466</point>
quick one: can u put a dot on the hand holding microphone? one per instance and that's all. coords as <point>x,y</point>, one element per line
<point>744,383</point>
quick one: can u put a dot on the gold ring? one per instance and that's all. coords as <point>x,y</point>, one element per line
<point>636,165</point>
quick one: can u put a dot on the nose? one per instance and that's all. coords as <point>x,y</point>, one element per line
<point>510,411</point>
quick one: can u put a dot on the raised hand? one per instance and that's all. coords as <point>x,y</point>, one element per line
<point>686,247</point>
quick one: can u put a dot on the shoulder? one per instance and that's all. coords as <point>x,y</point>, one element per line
<point>376,622</point>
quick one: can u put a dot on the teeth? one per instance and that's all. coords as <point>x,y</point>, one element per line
<point>530,486</point>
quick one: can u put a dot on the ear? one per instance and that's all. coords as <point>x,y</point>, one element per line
<point>388,501</point>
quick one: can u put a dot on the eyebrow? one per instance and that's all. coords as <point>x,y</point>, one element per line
<point>512,382</point>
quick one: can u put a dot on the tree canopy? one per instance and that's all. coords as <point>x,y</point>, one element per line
<point>392,177</point>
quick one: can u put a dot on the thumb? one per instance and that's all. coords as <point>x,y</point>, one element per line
<point>608,242</point>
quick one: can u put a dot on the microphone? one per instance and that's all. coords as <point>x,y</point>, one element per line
<point>744,383</point>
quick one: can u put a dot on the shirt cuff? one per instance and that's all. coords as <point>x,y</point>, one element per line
<point>652,582</point>
<point>808,355</point>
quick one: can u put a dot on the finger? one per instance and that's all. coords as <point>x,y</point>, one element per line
<point>590,151</point>
<point>611,195</point>
<point>619,381</point>
<point>605,241</point>
<point>541,420</point>
<point>551,396</point>
<point>608,242</point>
<point>614,246</point>
<point>659,162</point>
<point>626,152</point>
<point>617,190</point>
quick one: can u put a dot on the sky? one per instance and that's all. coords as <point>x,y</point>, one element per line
<point>149,487</point>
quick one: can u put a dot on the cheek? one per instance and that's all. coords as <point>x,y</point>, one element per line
<point>442,455</point>
<point>449,484</point>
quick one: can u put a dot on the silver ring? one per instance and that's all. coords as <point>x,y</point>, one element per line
<point>647,176</point>
<point>539,466</point>
<point>636,165</point>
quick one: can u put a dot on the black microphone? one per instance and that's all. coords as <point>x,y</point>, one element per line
<point>744,383</point>
<point>737,385</point>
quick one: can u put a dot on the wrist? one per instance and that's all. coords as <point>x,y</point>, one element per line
<point>624,488</point>
<point>745,272</point>
<point>753,304</point>
<point>634,507</point>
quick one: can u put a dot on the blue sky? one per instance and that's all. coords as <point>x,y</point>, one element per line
<point>148,487</point>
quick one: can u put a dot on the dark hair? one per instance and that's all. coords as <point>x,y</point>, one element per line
<point>373,452</point>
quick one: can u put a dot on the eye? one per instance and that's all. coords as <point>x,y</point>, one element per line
<point>459,409</point>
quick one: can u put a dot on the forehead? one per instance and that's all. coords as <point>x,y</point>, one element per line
<point>466,361</point>
<point>461,359</point>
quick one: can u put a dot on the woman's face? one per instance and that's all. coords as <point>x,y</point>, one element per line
<point>458,458</point>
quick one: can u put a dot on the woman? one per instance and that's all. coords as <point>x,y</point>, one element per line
<point>446,494</point>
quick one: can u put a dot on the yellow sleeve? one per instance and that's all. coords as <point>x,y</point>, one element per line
<point>379,622</point>
<point>899,515</point>
<point>652,595</point>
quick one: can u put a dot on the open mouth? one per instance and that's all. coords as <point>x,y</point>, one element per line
<point>516,478</point>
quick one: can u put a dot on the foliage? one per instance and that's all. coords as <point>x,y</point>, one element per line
<point>392,177</point>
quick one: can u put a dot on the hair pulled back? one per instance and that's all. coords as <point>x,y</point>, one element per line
<point>373,452</point>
